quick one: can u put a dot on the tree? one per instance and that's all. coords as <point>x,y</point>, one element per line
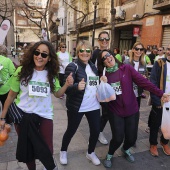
<point>6,9</point>
<point>113,13</point>
<point>36,15</point>
<point>83,14</point>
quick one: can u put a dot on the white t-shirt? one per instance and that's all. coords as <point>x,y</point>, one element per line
<point>167,88</point>
<point>159,57</point>
<point>90,102</point>
<point>135,87</point>
<point>40,105</point>
<point>64,59</point>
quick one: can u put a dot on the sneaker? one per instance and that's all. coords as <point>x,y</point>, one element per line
<point>63,157</point>
<point>166,149</point>
<point>102,139</point>
<point>92,157</point>
<point>147,130</point>
<point>154,150</point>
<point>108,161</point>
<point>128,155</point>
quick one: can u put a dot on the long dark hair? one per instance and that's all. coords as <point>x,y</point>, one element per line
<point>28,65</point>
<point>100,63</point>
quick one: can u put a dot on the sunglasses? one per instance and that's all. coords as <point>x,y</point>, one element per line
<point>83,50</point>
<point>159,50</point>
<point>138,49</point>
<point>168,49</point>
<point>102,39</point>
<point>43,55</point>
<point>63,47</point>
<point>105,56</point>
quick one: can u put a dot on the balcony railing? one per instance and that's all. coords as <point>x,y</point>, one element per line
<point>161,4</point>
<point>101,16</point>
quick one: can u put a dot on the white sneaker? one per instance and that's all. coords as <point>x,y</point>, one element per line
<point>63,157</point>
<point>102,139</point>
<point>92,157</point>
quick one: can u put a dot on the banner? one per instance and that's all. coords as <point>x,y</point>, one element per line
<point>4,28</point>
<point>136,31</point>
<point>44,34</point>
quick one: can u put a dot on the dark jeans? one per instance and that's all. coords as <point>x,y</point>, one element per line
<point>61,79</point>
<point>123,129</point>
<point>155,123</point>
<point>74,119</point>
<point>104,117</point>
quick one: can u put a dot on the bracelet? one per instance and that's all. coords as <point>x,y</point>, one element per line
<point>2,118</point>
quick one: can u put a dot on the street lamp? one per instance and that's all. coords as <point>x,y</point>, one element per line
<point>95,3</point>
<point>57,22</point>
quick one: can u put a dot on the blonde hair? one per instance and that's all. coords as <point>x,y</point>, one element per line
<point>131,55</point>
<point>86,44</point>
<point>3,50</point>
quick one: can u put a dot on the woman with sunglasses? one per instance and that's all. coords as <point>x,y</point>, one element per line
<point>81,100</point>
<point>31,88</point>
<point>124,111</point>
<point>137,60</point>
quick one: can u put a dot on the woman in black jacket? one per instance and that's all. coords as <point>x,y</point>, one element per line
<point>81,100</point>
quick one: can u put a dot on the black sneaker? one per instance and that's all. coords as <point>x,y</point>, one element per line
<point>108,161</point>
<point>128,155</point>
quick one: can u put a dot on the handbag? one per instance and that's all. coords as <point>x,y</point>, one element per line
<point>105,92</point>
<point>15,113</point>
<point>165,125</point>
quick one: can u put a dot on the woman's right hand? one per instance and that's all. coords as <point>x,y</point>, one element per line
<point>82,84</point>
<point>103,78</point>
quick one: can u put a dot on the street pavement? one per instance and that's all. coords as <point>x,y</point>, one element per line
<point>78,147</point>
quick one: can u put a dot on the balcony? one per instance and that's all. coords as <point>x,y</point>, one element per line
<point>72,26</point>
<point>101,19</point>
<point>161,4</point>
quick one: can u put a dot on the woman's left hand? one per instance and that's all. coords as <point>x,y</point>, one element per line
<point>165,98</point>
<point>69,80</point>
<point>103,78</point>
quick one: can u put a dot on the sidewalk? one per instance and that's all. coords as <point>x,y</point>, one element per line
<point>78,147</point>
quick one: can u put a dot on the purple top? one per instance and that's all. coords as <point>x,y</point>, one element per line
<point>126,103</point>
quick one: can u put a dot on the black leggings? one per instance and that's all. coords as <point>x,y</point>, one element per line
<point>123,129</point>
<point>74,119</point>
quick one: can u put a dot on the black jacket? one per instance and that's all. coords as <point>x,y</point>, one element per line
<point>74,96</point>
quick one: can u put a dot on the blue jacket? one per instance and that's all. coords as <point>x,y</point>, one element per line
<point>158,77</point>
<point>74,96</point>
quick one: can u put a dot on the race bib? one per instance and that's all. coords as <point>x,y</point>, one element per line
<point>93,81</point>
<point>117,87</point>
<point>135,89</point>
<point>39,89</point>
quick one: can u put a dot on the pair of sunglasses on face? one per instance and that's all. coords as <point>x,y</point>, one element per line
<point>105,56</point>
<point>63,47</point>
<point>83,50</point>
<point>43,55</point>
<point>102,39</point>
<point>138,49</point>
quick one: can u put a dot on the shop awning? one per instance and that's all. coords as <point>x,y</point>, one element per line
<point>129,23</point>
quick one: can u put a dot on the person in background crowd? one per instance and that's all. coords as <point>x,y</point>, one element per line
<point>103,40</point>
<point>124,113</point>
<point>7,69</point>
<point>160,53</point>
<point>160,76</point>
<point>146,58</point>
<point>79,95</point>
<point>64,58</point>
<point>138,62</point>
<point>12,49</point>
<point>39,70</point>
<point>117,55</point>
<point>153,55</point>
<point>125,55</point>
<point>148,50</point>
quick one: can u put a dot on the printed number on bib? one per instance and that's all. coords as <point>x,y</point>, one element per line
<point>93,81</point>
<point>117,87</point>
<point>39,89</point>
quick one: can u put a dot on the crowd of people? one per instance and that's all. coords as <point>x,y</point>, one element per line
<point>44,71</point>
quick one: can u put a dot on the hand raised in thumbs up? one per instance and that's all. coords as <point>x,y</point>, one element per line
<point>69,80</point>
<point>82,84</point>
